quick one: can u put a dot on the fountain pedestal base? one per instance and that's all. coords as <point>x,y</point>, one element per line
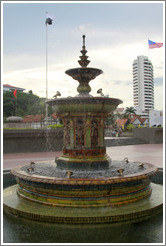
<point>129,213</point>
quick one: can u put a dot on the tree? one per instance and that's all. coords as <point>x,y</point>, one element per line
<point>127,114</point>
<point>110,120</point>
<point>30,92</point>
<point>130,110</point>
<point>9,104</point>
<point>24,104</point>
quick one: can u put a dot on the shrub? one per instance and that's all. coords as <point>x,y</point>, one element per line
<point>55,126</point>
<point>140,126</point>
<point>130,127</point>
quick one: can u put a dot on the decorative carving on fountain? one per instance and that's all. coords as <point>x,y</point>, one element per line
<point>67,134</point>
<point>80,133</point>
<point>94,133</point>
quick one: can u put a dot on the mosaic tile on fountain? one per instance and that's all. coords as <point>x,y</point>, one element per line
<point>142,208</point>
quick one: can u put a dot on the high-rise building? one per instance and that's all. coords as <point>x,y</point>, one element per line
<point>143,84</point>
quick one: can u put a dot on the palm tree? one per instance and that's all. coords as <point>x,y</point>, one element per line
<point>130,110</point>
<point>126,115</point>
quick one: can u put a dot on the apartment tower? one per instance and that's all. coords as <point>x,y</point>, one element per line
<point>143,84</point>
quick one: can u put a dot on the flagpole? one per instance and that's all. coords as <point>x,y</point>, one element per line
<point>16,106</point>
<point>46,74</point>
<point>48,21</point>
<point>148,47</point>
<point>14,93</point>
<point>148,86</point>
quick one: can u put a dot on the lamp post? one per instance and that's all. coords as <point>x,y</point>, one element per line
<point>46,75</point>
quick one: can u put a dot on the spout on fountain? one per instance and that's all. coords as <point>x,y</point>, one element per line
<point>126,160</point>
<point>141,165</point>
<point>120,171</point>
<point>69,174</point>
<point>30,169</point>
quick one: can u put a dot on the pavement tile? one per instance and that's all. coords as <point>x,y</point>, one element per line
<point>152,153</point>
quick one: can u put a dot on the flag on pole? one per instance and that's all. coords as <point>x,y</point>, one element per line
<point>153,45</point>
<point>14,93</point>
<point>49,19</point>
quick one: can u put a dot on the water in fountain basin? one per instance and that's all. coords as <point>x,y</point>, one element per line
<point>49,169</point>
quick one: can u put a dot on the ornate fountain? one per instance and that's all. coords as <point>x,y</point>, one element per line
<point>84,185</point>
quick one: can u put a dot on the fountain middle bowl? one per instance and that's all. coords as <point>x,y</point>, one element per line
<point>84,73</point>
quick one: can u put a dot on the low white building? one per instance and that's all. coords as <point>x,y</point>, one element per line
<point>7,87</point>
<point>155,118</point>
<point>141,113</point>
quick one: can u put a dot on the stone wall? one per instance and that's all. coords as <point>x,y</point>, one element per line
<point>22,125</point>
<point>39,140</point>
<point>150,135</point>
<point>32,140</point>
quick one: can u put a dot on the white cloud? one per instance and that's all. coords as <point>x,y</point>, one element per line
<point>112,51</point>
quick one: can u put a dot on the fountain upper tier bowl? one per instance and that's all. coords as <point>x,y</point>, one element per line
<point>84,104</point>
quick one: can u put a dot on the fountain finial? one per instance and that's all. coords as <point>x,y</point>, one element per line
<point>83,36</point>
<point>84,59</point>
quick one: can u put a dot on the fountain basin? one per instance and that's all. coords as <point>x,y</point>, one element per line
<point>37,232</point>
<point>75,105</point>
<point>49,185</point>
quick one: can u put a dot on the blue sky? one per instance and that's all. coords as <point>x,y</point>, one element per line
<point>116,33</point>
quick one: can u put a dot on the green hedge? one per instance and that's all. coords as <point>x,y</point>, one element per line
<point>130,127</point>
<point>55,126</point>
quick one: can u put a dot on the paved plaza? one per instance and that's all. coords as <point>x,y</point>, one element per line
<point>152,153</point>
